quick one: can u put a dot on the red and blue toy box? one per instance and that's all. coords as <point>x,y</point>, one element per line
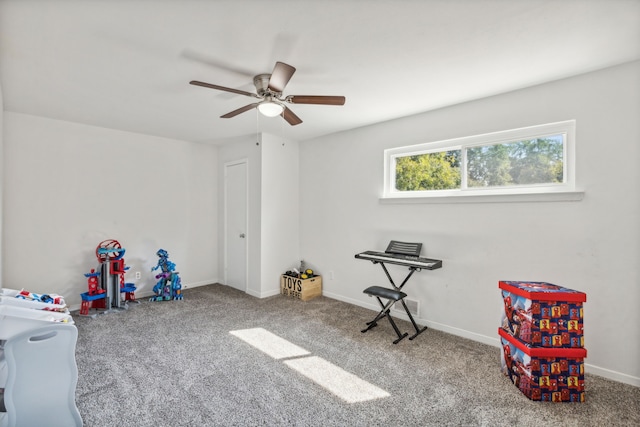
<point>544,374</point>
<point>543,315</point>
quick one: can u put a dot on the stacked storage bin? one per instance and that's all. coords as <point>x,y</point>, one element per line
<point>542,340</point>
<point>38,372</point>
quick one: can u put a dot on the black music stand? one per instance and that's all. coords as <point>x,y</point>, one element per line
<point>395,294</point>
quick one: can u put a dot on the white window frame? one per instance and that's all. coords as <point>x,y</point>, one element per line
<point>536,192</point>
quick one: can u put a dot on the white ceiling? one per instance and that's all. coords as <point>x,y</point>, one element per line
<point>127,64</point>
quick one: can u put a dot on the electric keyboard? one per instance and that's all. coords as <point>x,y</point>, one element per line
<point>401,259</point>
<point>399,253</point>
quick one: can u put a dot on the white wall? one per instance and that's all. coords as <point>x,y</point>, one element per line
<point>1,178</point>
<point>280,210</point>
<point>272,237</point>
<point>590,245</point>
<point>67,187</point>
<point>237,149</point>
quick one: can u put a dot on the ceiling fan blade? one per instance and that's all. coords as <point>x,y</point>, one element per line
<point>311,99</point>
<point>204,58</point>
<point>226,89</point>
<point>239,111</point>
<point>290,117</point>
<point>280,76</point>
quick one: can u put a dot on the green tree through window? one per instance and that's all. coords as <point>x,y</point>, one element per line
<point>430,171</point>
<point>525,162</point>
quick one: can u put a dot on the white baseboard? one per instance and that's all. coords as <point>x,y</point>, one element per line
<point>612,375</point>
<point>263,294</point>
<point>200,283</point>
<point>148,293</point>
<point>493,341</point>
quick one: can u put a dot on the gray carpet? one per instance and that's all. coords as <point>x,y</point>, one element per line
<point>176,364</point>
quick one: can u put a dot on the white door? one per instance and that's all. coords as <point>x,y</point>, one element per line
<point>235,191</point>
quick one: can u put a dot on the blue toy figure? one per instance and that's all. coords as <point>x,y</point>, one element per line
<point>169,286</point>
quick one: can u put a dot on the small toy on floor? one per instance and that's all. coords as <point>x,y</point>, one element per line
<point>46,298</point>
<point>169,286</point>
<point>106,287</point>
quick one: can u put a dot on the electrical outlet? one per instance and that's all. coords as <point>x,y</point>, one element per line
<point>331,277</point>
<point>138,275</point>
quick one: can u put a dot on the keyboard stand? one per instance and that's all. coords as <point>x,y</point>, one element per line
<point>397,253</point>
<point>406,309</point>
<point>392,296</point>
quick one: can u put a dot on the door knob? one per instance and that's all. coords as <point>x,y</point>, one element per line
<point>242,235</point>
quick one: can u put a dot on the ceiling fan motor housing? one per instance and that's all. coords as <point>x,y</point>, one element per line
<point>261,82</point>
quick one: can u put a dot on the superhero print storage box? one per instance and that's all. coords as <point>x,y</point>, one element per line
<point>544,374</point>
<point>543,315</point>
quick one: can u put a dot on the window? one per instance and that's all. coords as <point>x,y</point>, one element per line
<point>536,159</point>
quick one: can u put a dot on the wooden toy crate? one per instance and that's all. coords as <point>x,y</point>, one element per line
<point>303,289</point>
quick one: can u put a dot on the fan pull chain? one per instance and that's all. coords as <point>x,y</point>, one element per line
<point>282,127</point>
<point>257,127</point>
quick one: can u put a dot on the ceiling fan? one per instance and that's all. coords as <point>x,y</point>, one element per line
<point>269,88</point>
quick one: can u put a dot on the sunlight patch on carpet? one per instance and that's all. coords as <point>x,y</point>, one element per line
<point>336,380</point>
<point>346,386</point>
<point>273,345</point>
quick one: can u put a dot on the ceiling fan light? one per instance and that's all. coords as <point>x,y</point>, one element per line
<point>270,108</point>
